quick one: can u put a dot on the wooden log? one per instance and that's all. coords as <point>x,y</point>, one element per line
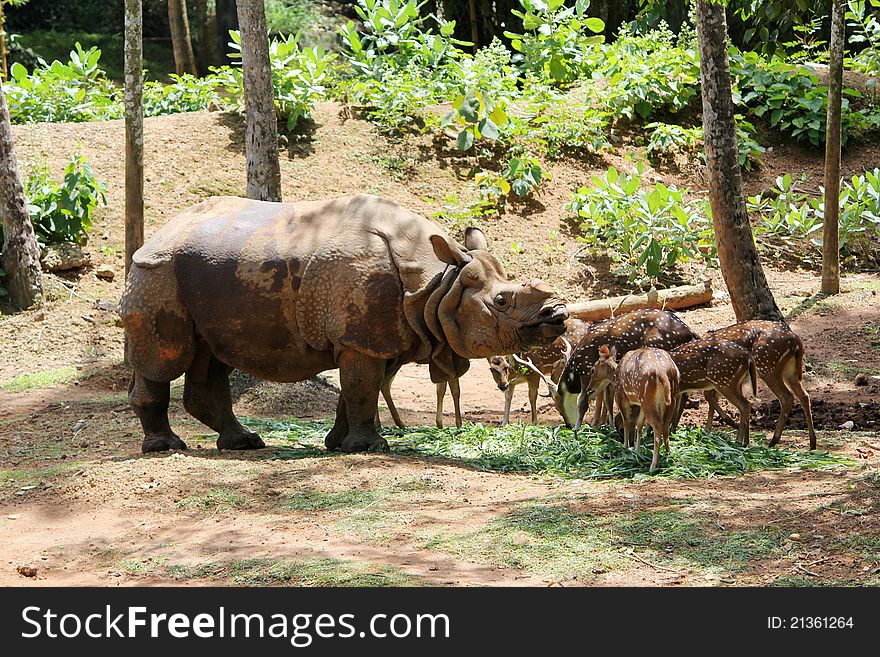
<point>684,296</point>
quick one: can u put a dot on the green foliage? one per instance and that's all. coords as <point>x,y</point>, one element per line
<point>477,116</point>
<point>864,29</point>
<point>773,24</point>
<point>789,214</point>
<point>75,91</point>
<point>667,139</point>
<point>557,39</point>
<point>648,74</point>
<point>62,212</point>
<point>186,93</point>
<point>299,76</point>
<point>524,174</point>
<point>646,231</point>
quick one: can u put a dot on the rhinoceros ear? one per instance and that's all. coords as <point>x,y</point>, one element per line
<point>474,240</point>
<point>448,251</point>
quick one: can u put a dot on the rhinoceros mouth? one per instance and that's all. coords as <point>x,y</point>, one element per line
<point>554,315</point>
<point>546,327</point>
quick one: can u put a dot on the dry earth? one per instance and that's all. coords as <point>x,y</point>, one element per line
<point>81,505</point>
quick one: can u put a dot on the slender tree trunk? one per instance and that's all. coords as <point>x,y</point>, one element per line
<point>21,257</point>
<point>181,41</point>
<point>830,232</point>
<point>226,19</point>
<point>742,271</point>
<point>134,130</point>
<point>4,65</point>
<point>261,129</point>
<point>475,28</point>
<point>206,28</point>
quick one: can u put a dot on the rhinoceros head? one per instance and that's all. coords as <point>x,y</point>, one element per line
<point>483,313</point>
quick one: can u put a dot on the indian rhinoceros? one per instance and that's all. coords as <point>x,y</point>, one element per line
<point>285,291</point>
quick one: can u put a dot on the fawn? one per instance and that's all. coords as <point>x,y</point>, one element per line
<point>647,378</point>
<point>548,360</point>
<point>778,353</point>
<point>714,364</point>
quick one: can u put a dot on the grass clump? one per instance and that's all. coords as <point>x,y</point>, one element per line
<point>39,380</point>
<point>215,499</point>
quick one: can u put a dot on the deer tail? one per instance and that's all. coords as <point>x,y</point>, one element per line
<point>753,375</point>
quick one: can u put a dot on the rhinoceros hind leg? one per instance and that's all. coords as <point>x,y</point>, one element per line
<point>360,377</point>
<point>207,398</point>
<point>149,399</point>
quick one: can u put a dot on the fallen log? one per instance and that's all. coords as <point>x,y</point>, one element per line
<point>673,298</point>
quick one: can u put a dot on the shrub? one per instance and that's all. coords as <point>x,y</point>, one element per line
<point>75,91</point>
<point>792,215</point>
<point>666,139</point>
<point>557,39</point>
<point>648,232</point>
<point>187,93</point>
<point>62,212</point>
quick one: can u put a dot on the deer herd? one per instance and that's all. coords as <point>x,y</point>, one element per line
<point>645,363</point>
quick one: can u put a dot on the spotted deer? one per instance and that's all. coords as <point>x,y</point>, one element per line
<point>646,378</point>
<point>640,328</point>
<point>778,353</point>
<point>715,365</point>
<point>548,360</point>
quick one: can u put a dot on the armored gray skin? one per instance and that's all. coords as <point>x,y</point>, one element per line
<point>285,291</point>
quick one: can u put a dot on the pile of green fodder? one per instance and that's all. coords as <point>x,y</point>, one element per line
<point>592,453</point>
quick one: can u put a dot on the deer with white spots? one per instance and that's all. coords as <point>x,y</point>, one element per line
<point>646,378</point>
<point>778,353</point>
<point>452,382</point>
<point>711,365</point>
<point>641,328</point>
<point>548,361</point>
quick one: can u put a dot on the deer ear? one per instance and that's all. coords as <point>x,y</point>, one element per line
<point>448,251</point>
<point>612,352</point>
<point>474,240</point>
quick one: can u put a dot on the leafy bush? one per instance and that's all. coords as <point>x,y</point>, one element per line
<point>789,214</point>
<point>187,93</point>
<point>75,91</point>
<point>647,74</point>
<point>865,29</point>
<point>299,76</point>
<point>666,139</point>
<point>646,231</point>
<point>62,212</point>
<point>477,116</point>
<point>557,39</point>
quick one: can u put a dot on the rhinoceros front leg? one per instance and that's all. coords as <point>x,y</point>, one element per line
<point>149,399</point>
<point>207,398</point>
<point>360,377</point>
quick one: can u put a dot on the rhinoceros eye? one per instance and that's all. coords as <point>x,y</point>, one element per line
<point>501,301</point>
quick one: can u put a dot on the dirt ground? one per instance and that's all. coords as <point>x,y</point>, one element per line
<point>81,505</point>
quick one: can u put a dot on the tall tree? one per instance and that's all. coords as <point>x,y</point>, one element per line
<point>226,19</point>
<point>134,130</point>
<point>181,40</point>
<point>830,231</point>
<point>21,257</point>
<point>742,271</point>
<point>206,28</point>
<point>261,127</point>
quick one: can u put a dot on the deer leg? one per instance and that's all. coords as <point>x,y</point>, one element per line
<point>533,397</point>
<point>786,401</point>
<point>658,439</point>
<point>508,400</point>
<point>599,410</point>
<point>456,400</point>
<point>723,415</point>
<point>793,382</point>
<point>609,405</point>
<point>744,406</point>
<point>386,395</point>
<point>441,393</point>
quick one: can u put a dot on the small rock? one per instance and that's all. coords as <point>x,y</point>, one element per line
<point>40,316</point>
<point>794,537</point>
<point>78,426</point>
<point>861,379</point>
<point>105,272</point>
<point>848,425</point>
<point>64,256</point>
<point>109,306</point>
<point>27,571</point>
<point>14,516</point>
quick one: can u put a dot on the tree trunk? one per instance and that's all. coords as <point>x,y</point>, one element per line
<point>181,41</point>
<point>226,19</point>
<point>261,128</point>
<point>830,233</point>
<point>134,130</point>
<point>4,65</point>
<point>206,28</point>
<point>21,257</point>
<point>742,271</point>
